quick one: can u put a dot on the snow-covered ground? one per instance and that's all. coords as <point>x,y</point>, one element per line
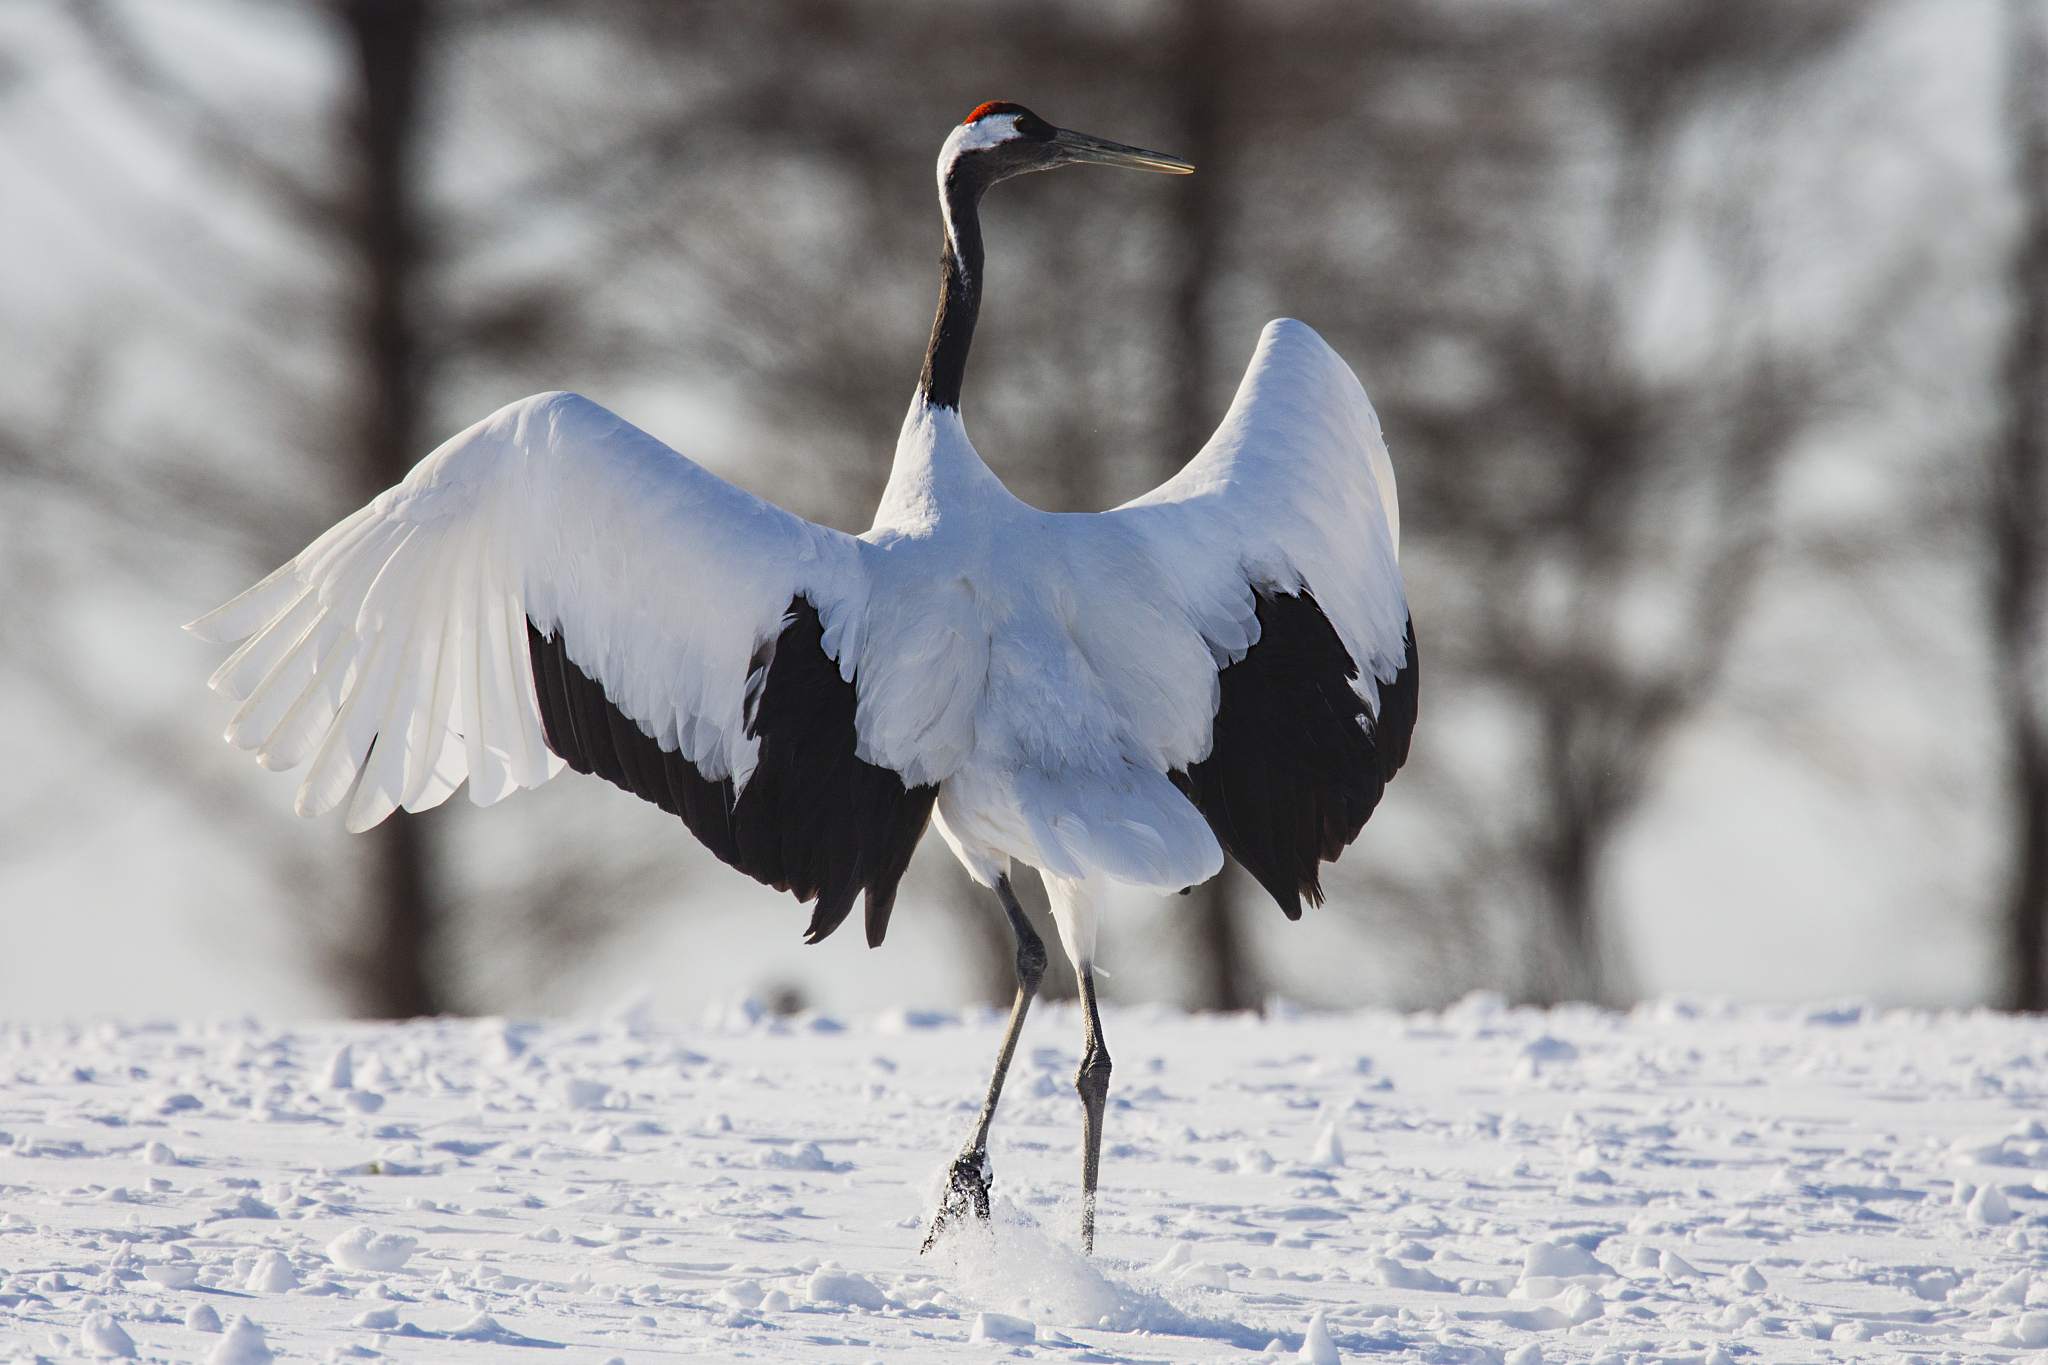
<point>1676,1185</point>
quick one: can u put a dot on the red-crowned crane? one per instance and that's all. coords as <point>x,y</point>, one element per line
<point>1224,664</point>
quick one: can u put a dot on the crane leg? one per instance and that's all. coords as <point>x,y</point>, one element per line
<point>1092,1080</point>
<point>967,1185</point>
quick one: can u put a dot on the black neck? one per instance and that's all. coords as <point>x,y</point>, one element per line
<point>945,361</point>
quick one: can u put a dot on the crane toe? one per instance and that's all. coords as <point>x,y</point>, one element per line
<point>966,1193</point>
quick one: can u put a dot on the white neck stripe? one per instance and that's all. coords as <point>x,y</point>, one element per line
<point>978,136</point>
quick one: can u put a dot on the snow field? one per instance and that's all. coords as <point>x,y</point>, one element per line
<point>1481,1186</point>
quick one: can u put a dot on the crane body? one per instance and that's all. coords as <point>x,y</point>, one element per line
<point>1222,665</point>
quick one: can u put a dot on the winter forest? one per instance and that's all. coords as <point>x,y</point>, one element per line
<point>1710,340</point>
<point>1678,1006</point>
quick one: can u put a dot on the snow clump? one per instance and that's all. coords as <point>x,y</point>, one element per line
<point>363,1248</point>
<point>105,1337</point>
<point>831,1284</point>
<point>241,1344</point>
<point>1316,1346</point>
<point>1003,1327</point>
<point>1989,1207</point>
<point>272,1274</point>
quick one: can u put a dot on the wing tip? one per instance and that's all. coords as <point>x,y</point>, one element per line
<point>880,902</point>
<point>1293,328</point>
<point>246,612</point>
<point>373,814</point>
<point>207,627</point>
<point>1287,894</point>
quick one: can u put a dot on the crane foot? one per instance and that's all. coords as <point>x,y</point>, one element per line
<point>966,1193</point>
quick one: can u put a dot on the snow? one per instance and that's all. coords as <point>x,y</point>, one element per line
<point>1316,1346</point>
<point>363,1248</point>
<point>102,1336</point>
<point>1681,1185</point>
<point>241,1343</point>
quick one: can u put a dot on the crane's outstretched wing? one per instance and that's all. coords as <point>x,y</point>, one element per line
<point>554,586</point>
<point>1283,536</point>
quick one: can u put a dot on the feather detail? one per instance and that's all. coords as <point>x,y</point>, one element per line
<point>397,639</point>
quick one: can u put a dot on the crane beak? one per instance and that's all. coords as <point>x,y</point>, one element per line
<point>1081,147</point>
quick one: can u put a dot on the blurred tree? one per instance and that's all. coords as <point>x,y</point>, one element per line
<point>392,973</point>
<point>363,219</point>
<point>2016,515</point>
<point>394,918</point>
<point>1494,204</point>
<point>1197,83</point>
<point>388,965</point>
<point>1586,499</point>
<point>1531,228</point>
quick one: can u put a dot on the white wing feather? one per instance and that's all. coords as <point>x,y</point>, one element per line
<point>1294,489</point>
<point>405,624</point>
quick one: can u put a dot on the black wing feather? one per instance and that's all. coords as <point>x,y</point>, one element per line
<point>815,819</point>
<point>1297,764</point>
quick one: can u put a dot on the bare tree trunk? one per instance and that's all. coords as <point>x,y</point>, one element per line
<point>1572,845</point>
<point>392,975</point>
<point>1220,973</point>
<point>2019,594</point>
<point>392,972</point>
<point>1224,974</point>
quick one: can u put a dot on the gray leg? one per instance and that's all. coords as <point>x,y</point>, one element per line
<point>1093,1082</point>
<point>967,1186</point>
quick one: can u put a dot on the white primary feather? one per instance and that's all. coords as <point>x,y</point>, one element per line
<point>406,623</point>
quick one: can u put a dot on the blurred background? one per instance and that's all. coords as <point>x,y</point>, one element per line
<point>1710,338</point>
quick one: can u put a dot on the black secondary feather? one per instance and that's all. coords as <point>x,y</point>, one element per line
<point>814,819</point>
<point>1297,763</point>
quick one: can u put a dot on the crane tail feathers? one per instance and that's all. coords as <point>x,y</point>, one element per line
<point>1131,826</point>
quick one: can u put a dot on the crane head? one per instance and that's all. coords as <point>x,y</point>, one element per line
<point>1000,139</point>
